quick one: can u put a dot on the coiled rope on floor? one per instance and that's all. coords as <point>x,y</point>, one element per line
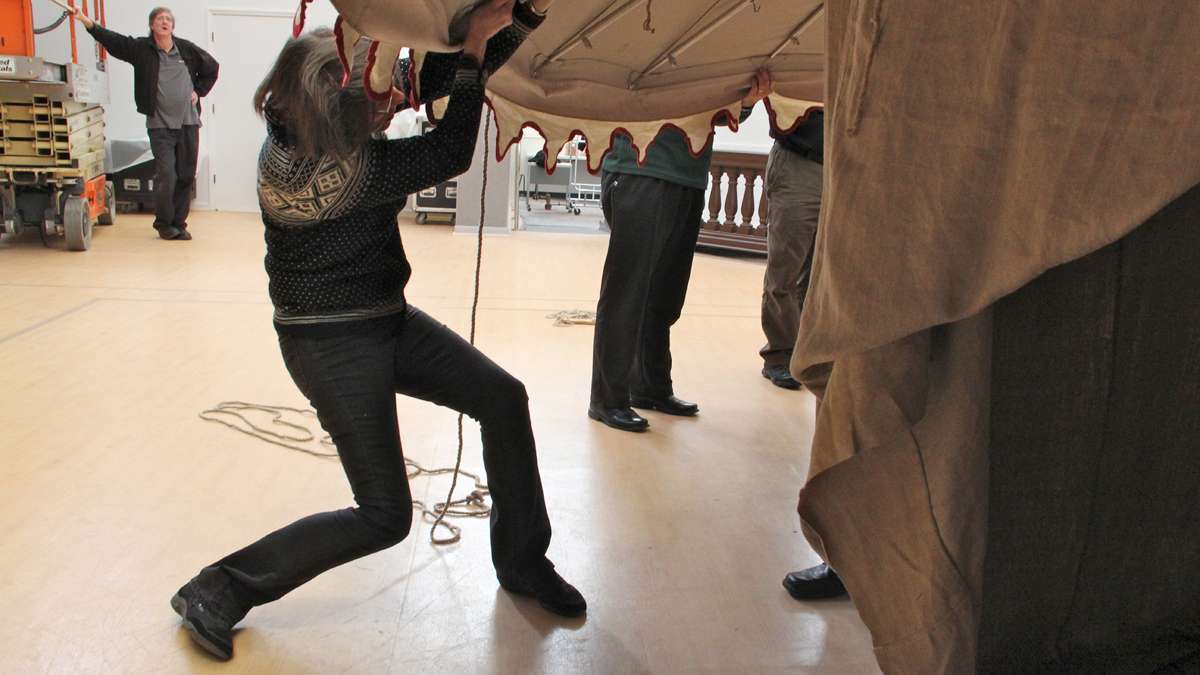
<point>474,505</point>
<point>310,439</point>
<point>573,317</point>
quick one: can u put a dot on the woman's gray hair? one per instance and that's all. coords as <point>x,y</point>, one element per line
<point>304,93</point>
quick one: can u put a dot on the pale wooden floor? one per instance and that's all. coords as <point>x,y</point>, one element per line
<point>113,492</point>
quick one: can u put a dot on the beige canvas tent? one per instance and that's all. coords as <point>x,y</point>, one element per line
<point>601,65</point>
<point>1003,322</point>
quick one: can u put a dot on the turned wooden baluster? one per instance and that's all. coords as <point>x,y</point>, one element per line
<point>748,202</point>
<point>730,222</point>
<point>714,199</point>
<point>764,220</point>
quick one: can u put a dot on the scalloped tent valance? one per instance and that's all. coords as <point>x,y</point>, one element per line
<point>596,66</point>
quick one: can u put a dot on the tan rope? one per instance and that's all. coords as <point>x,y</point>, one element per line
<point>573,317</point>
<point>474,312</point>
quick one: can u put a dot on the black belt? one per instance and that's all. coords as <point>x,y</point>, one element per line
<point>807,153</point>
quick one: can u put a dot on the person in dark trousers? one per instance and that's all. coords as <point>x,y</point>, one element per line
<point>653,209</point>
<point>793,185</point>
<point>330,189</point>
<point>170,76</point>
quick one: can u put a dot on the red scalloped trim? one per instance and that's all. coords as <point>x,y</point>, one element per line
<point>299,18</point>
<point>501,151</point>
<point>731,122</point>
<point>771,115</point>
<point>340,38</point>
<point>366,72</point>
<point>366,76</point>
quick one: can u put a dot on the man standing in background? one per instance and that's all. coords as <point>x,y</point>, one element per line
<point>654,209</point>
<point>170,75</point>
<point>793,184</point>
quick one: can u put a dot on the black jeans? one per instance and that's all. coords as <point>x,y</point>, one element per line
<point>654,224</point>
<point>175,155</point>
<point>352,380</point>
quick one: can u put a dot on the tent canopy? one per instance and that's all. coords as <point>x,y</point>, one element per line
<point>598,66</point>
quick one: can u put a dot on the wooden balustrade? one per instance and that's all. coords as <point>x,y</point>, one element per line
<point>732,220</point>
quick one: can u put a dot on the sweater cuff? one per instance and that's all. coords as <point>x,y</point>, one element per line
<point>525,20</point>
<point>469,70</point>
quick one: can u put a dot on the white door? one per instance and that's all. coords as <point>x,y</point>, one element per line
<point>245,43</point>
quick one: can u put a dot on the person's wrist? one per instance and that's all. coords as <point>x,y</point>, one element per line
<point>475,48</point>
<point>540,6</point>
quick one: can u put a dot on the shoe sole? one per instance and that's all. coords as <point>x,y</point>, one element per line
<point>569,613</point>
<point>608,424</point>
<point>180,606</point>
<point>644,405</point>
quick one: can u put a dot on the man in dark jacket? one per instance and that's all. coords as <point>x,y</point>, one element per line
<point>170,75</point>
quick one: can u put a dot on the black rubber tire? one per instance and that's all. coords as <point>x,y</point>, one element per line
<point>109,215</point>
<point>77,224</point>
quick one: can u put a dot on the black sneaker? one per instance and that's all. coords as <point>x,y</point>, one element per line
<point>213,634</point>
<point>551,591</point>
<point>780,377</point>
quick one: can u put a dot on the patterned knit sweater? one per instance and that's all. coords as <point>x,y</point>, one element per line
<point>333,248</point>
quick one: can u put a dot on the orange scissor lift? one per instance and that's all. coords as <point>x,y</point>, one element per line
<point>51,130</point>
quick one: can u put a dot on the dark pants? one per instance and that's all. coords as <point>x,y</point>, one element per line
<point>654,224</point>
<point>352,380</point>
<point>175,154</point>
<point>1093,553</point>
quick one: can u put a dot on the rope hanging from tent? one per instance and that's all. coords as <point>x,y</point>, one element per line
<point>474,311</point>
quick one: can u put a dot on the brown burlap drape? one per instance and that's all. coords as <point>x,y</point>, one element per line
<point>970,148</point>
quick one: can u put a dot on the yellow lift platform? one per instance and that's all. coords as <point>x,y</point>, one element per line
<point>51,131</point>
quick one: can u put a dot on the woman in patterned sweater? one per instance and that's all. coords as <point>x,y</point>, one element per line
<point>330,191</point>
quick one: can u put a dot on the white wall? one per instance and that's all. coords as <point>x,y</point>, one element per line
<point>753,136</point>
<point>191,22</point>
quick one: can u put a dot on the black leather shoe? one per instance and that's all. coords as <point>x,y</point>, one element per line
<point>670,405</point>
<point>814,583</point>
<point>183,233</point>
<point>551,591</point>
<point>213,634</point>
<point>780,377</point>
<point>169,232</point>
<point>619,418</point>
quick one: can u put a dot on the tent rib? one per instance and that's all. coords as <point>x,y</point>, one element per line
<point>686,43</point>
<point>593,27</point>
<point>800,29</point>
